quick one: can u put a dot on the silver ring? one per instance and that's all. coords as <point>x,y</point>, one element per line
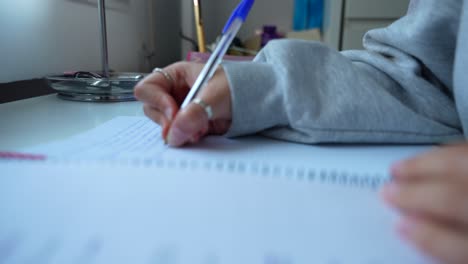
<point>206,107</point>
<point>165,74</point>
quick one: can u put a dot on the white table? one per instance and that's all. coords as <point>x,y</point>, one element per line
<point>47,118</point>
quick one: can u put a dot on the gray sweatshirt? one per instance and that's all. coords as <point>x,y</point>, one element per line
<point>410,85</point>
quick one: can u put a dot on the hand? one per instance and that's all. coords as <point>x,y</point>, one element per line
<point>432,193</point>
<point>162,98</point>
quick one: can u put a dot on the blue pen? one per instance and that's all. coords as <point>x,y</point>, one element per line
<point>229,32</point>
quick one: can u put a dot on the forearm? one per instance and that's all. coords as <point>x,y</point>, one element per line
<point>305,92</point>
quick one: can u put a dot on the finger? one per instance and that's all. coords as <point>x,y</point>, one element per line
<point>444,201</point>
<point>157,99</point>
<point>194,120</point>
<point>183,76</point>
<point>160,80</point>
<point>157,117</point>
<point>217,94</point>
<point>165,93</point>
<point>188,123</point>
<point>155,91</point>
<point>436,240</point>
<point>443,163</point>
<point>197,137</point>
<point>219,127</point>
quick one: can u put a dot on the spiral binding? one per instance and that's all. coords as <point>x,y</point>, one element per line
<point>310,174</point>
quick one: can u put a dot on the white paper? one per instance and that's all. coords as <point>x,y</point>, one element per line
<point>122,137</point>
<point>138,139</point>
<point>69,213</point>
<point>100,199</point>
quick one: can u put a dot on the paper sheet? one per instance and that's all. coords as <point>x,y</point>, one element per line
<point>138,139</point>
<point>100,199</point>
<point>90,213</point>
<point>118,138</point>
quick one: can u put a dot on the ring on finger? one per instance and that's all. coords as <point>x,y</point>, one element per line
<point>206,107</point>
<point>165,74</point>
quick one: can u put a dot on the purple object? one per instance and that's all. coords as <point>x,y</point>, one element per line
<point>269,33</point>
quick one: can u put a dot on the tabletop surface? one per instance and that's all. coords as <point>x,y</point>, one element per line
<point>43,119</point>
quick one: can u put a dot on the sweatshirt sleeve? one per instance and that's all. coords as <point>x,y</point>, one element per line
<point>306,92</point>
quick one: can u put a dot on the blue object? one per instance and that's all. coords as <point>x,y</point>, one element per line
<point>229,32</point>
<point>241,12</point>
<point>308,14</point>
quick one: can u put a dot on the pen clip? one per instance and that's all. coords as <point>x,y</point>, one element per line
<point>241,12</point>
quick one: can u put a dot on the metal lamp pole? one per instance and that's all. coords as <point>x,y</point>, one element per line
<point>104,51</point>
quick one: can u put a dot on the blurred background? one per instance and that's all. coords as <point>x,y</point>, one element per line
<point>40,37</point>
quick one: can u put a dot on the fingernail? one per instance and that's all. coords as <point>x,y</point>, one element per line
<point>397,169</point>
<point>176,137</point>
<point>195,139</point>
<point>405,228</point>
<point>390,191</point>
<point>165,131</point>
<point>168,114</point>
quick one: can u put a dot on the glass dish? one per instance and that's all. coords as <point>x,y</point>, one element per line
<point>93,87</point>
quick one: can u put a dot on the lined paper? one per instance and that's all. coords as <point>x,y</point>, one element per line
<point>117,194</point>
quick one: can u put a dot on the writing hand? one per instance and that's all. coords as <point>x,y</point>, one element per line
<point>162,96</point>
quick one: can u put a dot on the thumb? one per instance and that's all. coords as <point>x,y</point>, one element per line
<point>187,126</point>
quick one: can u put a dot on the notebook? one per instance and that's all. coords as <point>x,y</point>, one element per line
<point>96,198</point>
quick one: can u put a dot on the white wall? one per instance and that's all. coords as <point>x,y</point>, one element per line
<point>39,37</point>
